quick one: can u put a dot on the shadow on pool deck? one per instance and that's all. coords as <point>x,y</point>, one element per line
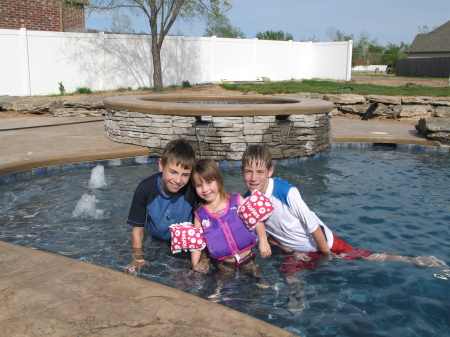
<point>47,294</point>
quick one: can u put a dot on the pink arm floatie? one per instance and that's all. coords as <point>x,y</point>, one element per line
<point>254,209</point>
<point>184,236</point>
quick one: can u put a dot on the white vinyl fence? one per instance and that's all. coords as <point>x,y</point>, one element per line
<point>35,62</point>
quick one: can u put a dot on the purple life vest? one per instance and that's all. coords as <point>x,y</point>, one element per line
<point>226,235</point>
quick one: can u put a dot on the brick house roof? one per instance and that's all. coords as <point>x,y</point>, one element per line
<point>437,40</point>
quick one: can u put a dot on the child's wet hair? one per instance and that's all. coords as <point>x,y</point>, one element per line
<point>206,169</point>
<point>180,153</point>
<point>258,154</point>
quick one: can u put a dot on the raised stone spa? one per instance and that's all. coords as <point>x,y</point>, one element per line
<point>221,127</point>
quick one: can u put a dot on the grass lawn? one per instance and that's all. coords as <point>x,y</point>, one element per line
<point>335,87</point>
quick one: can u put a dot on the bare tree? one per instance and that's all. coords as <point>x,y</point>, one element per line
<point>121,24</point>
<point>336,35</point>
<point>161,15</point>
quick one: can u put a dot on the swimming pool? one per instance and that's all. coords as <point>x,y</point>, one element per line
<point>381,200</point>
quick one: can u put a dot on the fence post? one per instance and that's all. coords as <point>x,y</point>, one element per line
<point>255,58</point>
<point>310,63</point>
<point>290,61</point>
<point>213,56</point>
<point>26,83</point>
<point>348,75</point>
<point>102,37</point>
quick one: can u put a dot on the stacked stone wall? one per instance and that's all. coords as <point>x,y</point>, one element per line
<point>411,108</point>
<point>226,137</point>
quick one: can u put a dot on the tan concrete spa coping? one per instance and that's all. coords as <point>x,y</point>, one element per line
<point>245,105</point>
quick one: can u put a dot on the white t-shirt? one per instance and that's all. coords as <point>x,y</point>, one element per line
<point>292,222</point>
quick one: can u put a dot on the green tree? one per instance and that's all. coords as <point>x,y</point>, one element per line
<point>161,15</point>
<point>220,26</point>
<point>375,53</point>
<point>394,52</point>
<point>274,35</point>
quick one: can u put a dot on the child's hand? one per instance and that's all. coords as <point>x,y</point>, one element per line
<point>200,268</point>
<point>264,249</point>
<point>340,256</point>
<point>299,256</point>
<point>135,267</point>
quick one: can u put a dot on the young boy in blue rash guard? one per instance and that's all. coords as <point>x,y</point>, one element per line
<point>297,230</point>
<point>163,199</point>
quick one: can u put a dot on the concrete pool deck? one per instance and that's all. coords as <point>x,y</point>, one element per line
<point>48,294</point>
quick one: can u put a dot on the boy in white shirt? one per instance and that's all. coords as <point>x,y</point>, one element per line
<point>296,229</point>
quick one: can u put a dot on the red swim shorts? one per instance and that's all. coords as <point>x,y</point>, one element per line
<point>290,265</point>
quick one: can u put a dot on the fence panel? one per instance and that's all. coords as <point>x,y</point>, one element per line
<point>330,60</point>
<point>195,61</point>
<point>273,59</point>
<point>13,77</point>
<point>234,60</point>
<point>435,67</point>
<point>75,59</point>
<point>127,61</point>
<point>36,61</point>
<point>301,60</point>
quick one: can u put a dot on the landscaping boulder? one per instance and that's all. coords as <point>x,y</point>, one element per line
<point>355,109</point>
<point>311,95</point>
<point>412,112</point>
<point>416,100</point>
<point>88,103</point>
<point>444,101</point>
<point>78,112</point>
<point>345,99</point>
<point>5,100</point>
<point>384,99</point>
<point>38,105</point>
<point>435,128</point>
<point>443,111</point>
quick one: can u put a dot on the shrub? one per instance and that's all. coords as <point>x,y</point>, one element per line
<point>124,89</point>
<point>83,90</point>
<point>62,90</point>
<point>186,84</point>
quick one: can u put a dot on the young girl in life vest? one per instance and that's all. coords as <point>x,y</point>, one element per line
<point>228,221</point>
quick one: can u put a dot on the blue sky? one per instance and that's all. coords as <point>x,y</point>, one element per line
<point>385,20</point>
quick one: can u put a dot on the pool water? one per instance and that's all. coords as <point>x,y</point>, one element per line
<point>380,200</point>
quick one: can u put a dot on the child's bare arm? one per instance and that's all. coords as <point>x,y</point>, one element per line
<point>264,247</point>
<point>197,265</point>
<point>321,241</point>
<point>138,253</point>
<point>195,258</point>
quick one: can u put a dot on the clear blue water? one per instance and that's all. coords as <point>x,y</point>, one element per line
<point>380,200</point>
